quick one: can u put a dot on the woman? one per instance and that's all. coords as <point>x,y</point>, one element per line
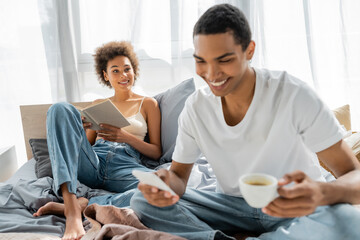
<point>105,158</point>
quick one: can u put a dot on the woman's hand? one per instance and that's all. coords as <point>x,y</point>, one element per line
<point>114,134</point>
<point>298,200</point>
<point>86,125</point>
<point>156,196</point>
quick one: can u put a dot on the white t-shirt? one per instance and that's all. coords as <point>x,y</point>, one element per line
<point>285,125</point>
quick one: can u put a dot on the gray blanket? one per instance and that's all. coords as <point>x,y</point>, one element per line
<point>20,198</point>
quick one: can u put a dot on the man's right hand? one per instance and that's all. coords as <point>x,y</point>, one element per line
<point>156,196</point>
<point>86,125</point>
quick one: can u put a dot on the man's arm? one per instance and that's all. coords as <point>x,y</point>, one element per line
<point>180,174</point>
<point>303,197</point>
<point>343,163</point>
<point>177,178</point>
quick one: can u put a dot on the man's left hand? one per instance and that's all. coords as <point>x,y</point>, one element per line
<point>298,200</point>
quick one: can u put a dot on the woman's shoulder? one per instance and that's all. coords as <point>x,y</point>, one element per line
<point>147,101</point>
<point>150,102</point>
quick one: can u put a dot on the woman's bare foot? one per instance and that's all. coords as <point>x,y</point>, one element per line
<point>58,208</point>
<point>74,229</point>
<point>50,208</point>
<point>73,208</point>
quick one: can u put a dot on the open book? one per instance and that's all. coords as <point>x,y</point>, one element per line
<point>103,112</point>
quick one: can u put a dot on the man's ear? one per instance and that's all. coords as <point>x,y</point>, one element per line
<point>105,76</point>
<point>250,50</point>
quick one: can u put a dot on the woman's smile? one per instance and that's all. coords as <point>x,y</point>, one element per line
<point>124,82</point>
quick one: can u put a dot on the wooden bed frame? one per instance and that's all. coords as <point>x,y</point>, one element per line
<point>33,119</point>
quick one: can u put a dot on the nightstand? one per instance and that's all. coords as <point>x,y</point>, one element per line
<point>8,162</point>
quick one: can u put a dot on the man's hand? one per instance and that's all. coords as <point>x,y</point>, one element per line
<point>114,134</point>
<point>86,125</point>
<point>298,200</point>
<point>156,196</point>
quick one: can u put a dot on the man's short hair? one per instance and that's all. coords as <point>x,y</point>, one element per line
<point>224,18</point>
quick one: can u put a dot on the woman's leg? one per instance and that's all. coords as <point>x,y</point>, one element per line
<point>121,160</point>
<point>71,157</point>
<point>120,200</point>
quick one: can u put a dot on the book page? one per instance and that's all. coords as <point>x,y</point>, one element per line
<point>105,112</point>
<point>94,125</point>
<point>87,117</point>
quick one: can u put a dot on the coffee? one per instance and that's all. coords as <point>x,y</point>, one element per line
<point>258,183</point>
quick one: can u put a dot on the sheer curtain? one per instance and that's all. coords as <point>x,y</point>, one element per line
<point>317,41</point>
<point>46,51</point>
<point>23,69</point>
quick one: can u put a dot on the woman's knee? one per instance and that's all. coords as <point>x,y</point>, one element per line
<point>62,110</point>
<point>60,107</point>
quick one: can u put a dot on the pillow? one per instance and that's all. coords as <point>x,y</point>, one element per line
<point>171,103</point>
<point>342,114</point>
<point>41,155</point>
<point>354,143</point>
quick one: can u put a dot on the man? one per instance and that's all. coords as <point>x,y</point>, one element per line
<point>252,120</point>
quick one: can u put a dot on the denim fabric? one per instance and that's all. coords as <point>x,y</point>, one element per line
<point>210,215</point>
<point>106,165</point>
<point>120,200</point>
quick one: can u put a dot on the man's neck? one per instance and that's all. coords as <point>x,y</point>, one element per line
<point>236,104</point>
<point>243,95</point>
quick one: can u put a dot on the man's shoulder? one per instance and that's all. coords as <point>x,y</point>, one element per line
<point>279,79</point>
<point>267,74</point>
<point>200,103</point>
<point>200,96</point>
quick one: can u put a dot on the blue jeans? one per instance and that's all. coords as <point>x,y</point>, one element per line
<point>105,165</point>
<point>210,215</point>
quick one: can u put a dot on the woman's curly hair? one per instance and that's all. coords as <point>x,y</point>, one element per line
<point>109,51</point>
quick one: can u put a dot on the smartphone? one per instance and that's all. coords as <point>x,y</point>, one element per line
<point>152,179</point>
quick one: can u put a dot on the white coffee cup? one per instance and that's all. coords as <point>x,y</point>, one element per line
<point>258,189</point>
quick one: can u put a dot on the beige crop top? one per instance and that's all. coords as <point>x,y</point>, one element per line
<point>138,125</point>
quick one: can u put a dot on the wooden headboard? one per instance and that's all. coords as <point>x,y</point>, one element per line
<point>33,119</point>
